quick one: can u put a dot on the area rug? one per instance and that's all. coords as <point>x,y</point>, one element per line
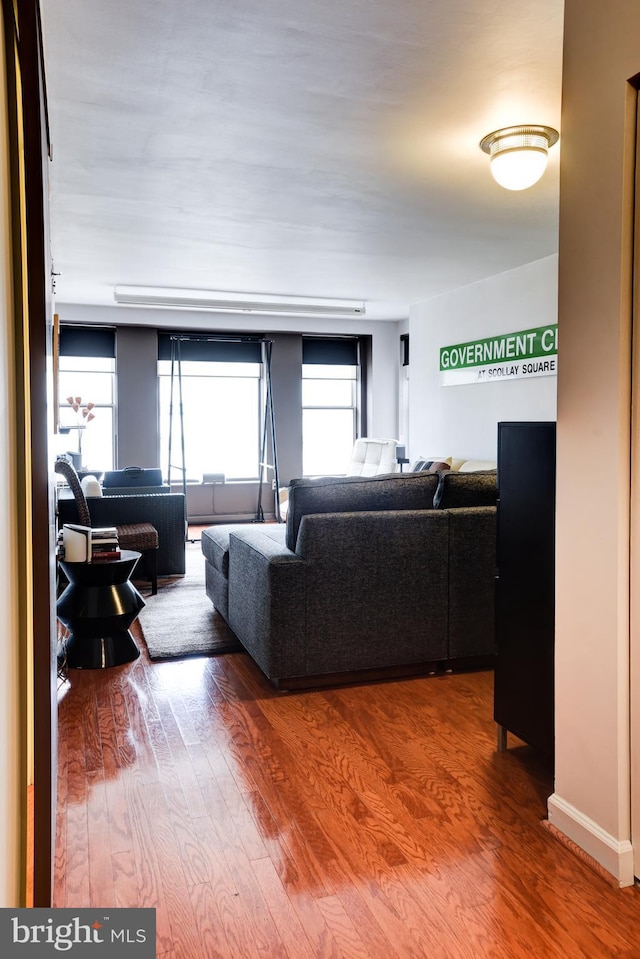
<point>180,620</point>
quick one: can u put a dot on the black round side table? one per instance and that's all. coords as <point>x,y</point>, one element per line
<point>97,607</point>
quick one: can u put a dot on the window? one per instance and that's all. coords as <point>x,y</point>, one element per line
<point>222,403</point>
<point>86,377</point>
<point>329,404</point>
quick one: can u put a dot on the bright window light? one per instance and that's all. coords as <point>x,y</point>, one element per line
<point>329,412</point>
<point>92,378</point>
<point>222,414</point>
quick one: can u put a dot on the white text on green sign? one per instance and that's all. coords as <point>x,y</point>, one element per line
<point>505,357</point>
<point>527,344</point>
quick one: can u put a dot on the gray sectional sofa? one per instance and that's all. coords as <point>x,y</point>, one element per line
<point>393,573</point>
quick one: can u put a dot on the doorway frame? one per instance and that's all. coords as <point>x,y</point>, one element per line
<point>634,511</point>
<point>29,151</point>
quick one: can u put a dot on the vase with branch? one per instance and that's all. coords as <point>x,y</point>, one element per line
<point>84,415</point>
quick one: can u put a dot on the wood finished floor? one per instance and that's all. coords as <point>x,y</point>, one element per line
<point>372,821</point>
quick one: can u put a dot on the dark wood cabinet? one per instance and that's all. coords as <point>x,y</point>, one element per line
<point>525,585</point>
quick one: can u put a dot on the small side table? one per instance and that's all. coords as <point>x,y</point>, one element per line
<point>98,607</point>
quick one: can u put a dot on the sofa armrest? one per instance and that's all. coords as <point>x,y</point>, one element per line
<point>472,572</point>
<point>267,586</point>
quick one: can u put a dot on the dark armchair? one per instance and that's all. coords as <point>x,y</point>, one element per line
<point>165,511</point>
<point>142,536</point>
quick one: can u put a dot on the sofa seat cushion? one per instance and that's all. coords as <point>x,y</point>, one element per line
<point>342,494</point>
<point>214,541</point>
<point>140,536</point>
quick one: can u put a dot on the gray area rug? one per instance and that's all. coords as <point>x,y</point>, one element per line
<point>180,620</point>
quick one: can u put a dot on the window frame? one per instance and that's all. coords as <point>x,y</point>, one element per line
<point>259,379</point>
<point>321,350</point>
<point>86,344</point>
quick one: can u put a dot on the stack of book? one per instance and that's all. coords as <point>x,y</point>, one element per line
<point>104,544</point>
<point>82,544</point>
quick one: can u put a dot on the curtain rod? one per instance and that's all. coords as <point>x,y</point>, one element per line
<point>215,339</point>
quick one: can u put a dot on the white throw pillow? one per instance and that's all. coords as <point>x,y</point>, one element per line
<point>474,466</point>
<point>90,486</point>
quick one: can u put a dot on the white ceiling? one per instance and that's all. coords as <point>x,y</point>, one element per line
<point>309,147</point>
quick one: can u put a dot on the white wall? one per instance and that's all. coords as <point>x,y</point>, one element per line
<point>593,744</point>
<point>462,420</point>
<point>385,360</point>
<point>10,724</point>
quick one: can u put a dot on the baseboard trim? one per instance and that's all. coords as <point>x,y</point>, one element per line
<point>580,854</point>
<point>614,856</point>
<point>211,519</point>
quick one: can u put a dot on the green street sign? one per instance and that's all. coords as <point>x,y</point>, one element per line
<point>525,353</point>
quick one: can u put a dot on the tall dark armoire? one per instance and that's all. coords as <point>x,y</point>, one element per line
<point>525,587</point>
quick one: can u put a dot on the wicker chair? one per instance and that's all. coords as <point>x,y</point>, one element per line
<point>142,537</point>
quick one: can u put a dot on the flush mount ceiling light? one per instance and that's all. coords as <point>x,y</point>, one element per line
<point>227,302</point>
<point>519,154</point>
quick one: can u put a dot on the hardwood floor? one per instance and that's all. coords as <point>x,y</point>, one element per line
<point>368,821</point>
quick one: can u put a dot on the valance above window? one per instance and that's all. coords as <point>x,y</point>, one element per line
<point>330,351</point>
<point>211,349</point>
<point>87,341</point>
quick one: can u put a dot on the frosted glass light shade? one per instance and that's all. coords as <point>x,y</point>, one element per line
<point>519,154</point>
<point>518,169</point>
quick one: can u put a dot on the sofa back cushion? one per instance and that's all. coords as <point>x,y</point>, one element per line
<point>456,490</point>
<point>377,594</point>
<point>343,494</point>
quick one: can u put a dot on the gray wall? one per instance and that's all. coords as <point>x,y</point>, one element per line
<point>137,441</point>
<point>383,383</point>
<point>286,366</point>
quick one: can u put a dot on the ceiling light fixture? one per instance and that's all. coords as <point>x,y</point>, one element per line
<point>519,154</point>
<point>227,302</point>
